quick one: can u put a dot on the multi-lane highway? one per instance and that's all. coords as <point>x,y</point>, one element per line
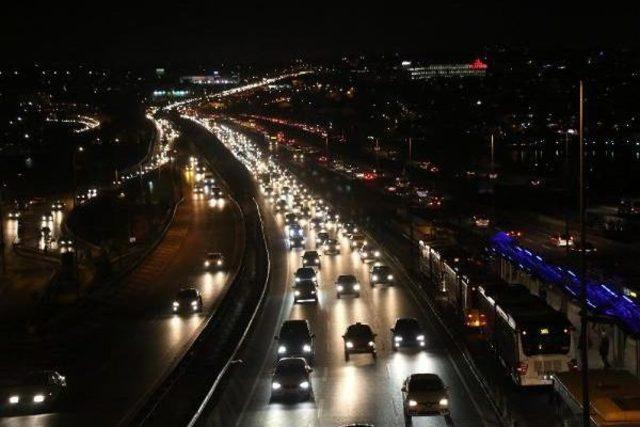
<point>363,389</point>
<point>125,341</point>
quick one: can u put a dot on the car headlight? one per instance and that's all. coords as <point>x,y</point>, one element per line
<point>376,253</point>
<point>275,386</point>
<point>444,401</point>
<point>176,304</point>
<point>317,261</point>
<point>349,344</point>
<point>340,288</point>
<point>304,385</point>
<point>194,303</point>
<point>207,263</point>
<point>390,277</point>
<point>356,287</point>
<point>282,349</point>
<point>306,348</point>
<point>14,400</point>
<point>38,398</point>
<point>219,262</point>
<point>297,279</point>
<point>296,293</point>
<point>374,277</point>
<point>372,344</point>
<point>420,337</point>
<point>413,402</point>
<point>397,338</point>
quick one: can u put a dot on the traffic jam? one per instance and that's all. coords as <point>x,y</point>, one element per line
<point>333,259</point>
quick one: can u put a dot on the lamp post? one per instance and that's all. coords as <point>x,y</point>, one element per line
<point>567,187</point>
<point>74,166</point>
<point>584,354</point>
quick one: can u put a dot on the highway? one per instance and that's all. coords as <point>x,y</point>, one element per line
<point>362,390</point>
<point>125,341</point>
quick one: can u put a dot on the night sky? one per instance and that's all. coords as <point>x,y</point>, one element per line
<point>147,32</point>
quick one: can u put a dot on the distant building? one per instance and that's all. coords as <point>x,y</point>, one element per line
<point>211,80</point>
<point>424,72</point>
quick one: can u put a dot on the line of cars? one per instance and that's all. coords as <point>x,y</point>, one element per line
<point>424,393</point>
<point>188,300</point>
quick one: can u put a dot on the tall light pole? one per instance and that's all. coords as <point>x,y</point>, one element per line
<point>583,312</point>
<point>492,154</point>
<point>567,185</point>
<point>74,162</point>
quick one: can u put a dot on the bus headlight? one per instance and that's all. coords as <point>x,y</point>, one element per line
<point>282,349</point>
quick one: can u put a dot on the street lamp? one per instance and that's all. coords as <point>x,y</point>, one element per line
<point>567,185</point>
<point>79,149</point>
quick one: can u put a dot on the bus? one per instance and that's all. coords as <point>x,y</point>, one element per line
<point>532,340</point>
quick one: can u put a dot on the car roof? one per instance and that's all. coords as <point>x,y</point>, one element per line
<point>308,270</point>
<point>426,378</point>
<point>295,325</point>
<point>359,329</point>
<point>346,277</point>
<point>291,362</point>
<point>185,292</point>
<point>310,253</point>
<point>407,321</point>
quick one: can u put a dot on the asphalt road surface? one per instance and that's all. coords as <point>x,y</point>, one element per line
<point>361,390</point>
<point>132,339</point>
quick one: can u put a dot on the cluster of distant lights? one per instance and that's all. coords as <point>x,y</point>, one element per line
<point>86,123</point>
<point>314,129</point>
<point>603,298</point>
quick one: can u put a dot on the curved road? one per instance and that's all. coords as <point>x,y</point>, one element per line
<point>129,340</point>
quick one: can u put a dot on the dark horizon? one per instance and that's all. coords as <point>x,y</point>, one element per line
<point>148,34</point>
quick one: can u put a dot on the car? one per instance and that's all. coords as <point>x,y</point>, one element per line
<point>316,223</point>
<point>295,230</point>
<point>290,219</point>
<point>563,240</point>
<point>305,273</point>
<point>359,338</point>
<point>347,284</point>
<point>368,253</point>
<point>424,394</point>
<point>217,193</point>
<point>332,217</point>
<point>514,233</point>
<point>281,205</point>
<point>65,244</point>
<point>213,261</point>
<point>331,247</point>
<point>295,339</point>
<point>198,189</point>
<point>356,241</point>
<point>481,221</point>
<point>296,242</point>
<point>188,300</point>
<point>321,237</point>
<point>47,217</point>
<point>407,332</point>
<point>291,379</point>
<point>348,228</point>
<point>379,273</point>
<point>16,214</point>
<point>588,247</point>
<point>311,259</point>
<point>305,290</point>
<point>57,206</point>
<point>35,391</point>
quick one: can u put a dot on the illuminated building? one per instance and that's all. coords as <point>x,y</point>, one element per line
<point>424,72</point>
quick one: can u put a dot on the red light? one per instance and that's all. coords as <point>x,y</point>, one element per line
<point>478,65</point>
<point>522,368</point>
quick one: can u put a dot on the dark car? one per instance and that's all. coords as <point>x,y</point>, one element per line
<point>321,237</point>
<point>368,253</point>
<point>347,284</point>
<point>331,247</point>
<point>316,223</point>
<point>359,338</point>
<point>291,379</point>
<point>305,273</point>
<point>349,228</point>
<point>296,242</point>
<point>381,274</point>
<point>295,339</point>
<point>305,290</point>
<point>34,392</point>
<point>291,219</point>
<point>311,259</point>
<point>217,193</point>
<point>407,332</point>
<point>424,394</point>
<point>214,261</point>
<point>188,300</point>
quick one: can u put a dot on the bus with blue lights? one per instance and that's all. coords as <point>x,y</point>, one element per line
<point>531,340</point>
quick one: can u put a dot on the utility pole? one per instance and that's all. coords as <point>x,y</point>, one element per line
<point>567,186</point>
<point>492,154</point>
<point>586,405</point>
<point>4,259</point>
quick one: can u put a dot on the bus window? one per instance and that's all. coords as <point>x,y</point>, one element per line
<point>545,341</point>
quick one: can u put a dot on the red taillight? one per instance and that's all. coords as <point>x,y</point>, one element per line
<point>522,368</point>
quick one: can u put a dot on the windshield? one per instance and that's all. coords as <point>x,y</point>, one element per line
<point>425,384</point>
<point>187,293</point>
<point>294,329</point>
<point>545,341</point>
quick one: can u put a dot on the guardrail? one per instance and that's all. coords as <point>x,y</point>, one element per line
<point>232,359</point>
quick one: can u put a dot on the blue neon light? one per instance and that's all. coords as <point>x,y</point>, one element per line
<point>601,298</point>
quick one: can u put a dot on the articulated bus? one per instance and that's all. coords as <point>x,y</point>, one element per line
<point>532,340</point>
